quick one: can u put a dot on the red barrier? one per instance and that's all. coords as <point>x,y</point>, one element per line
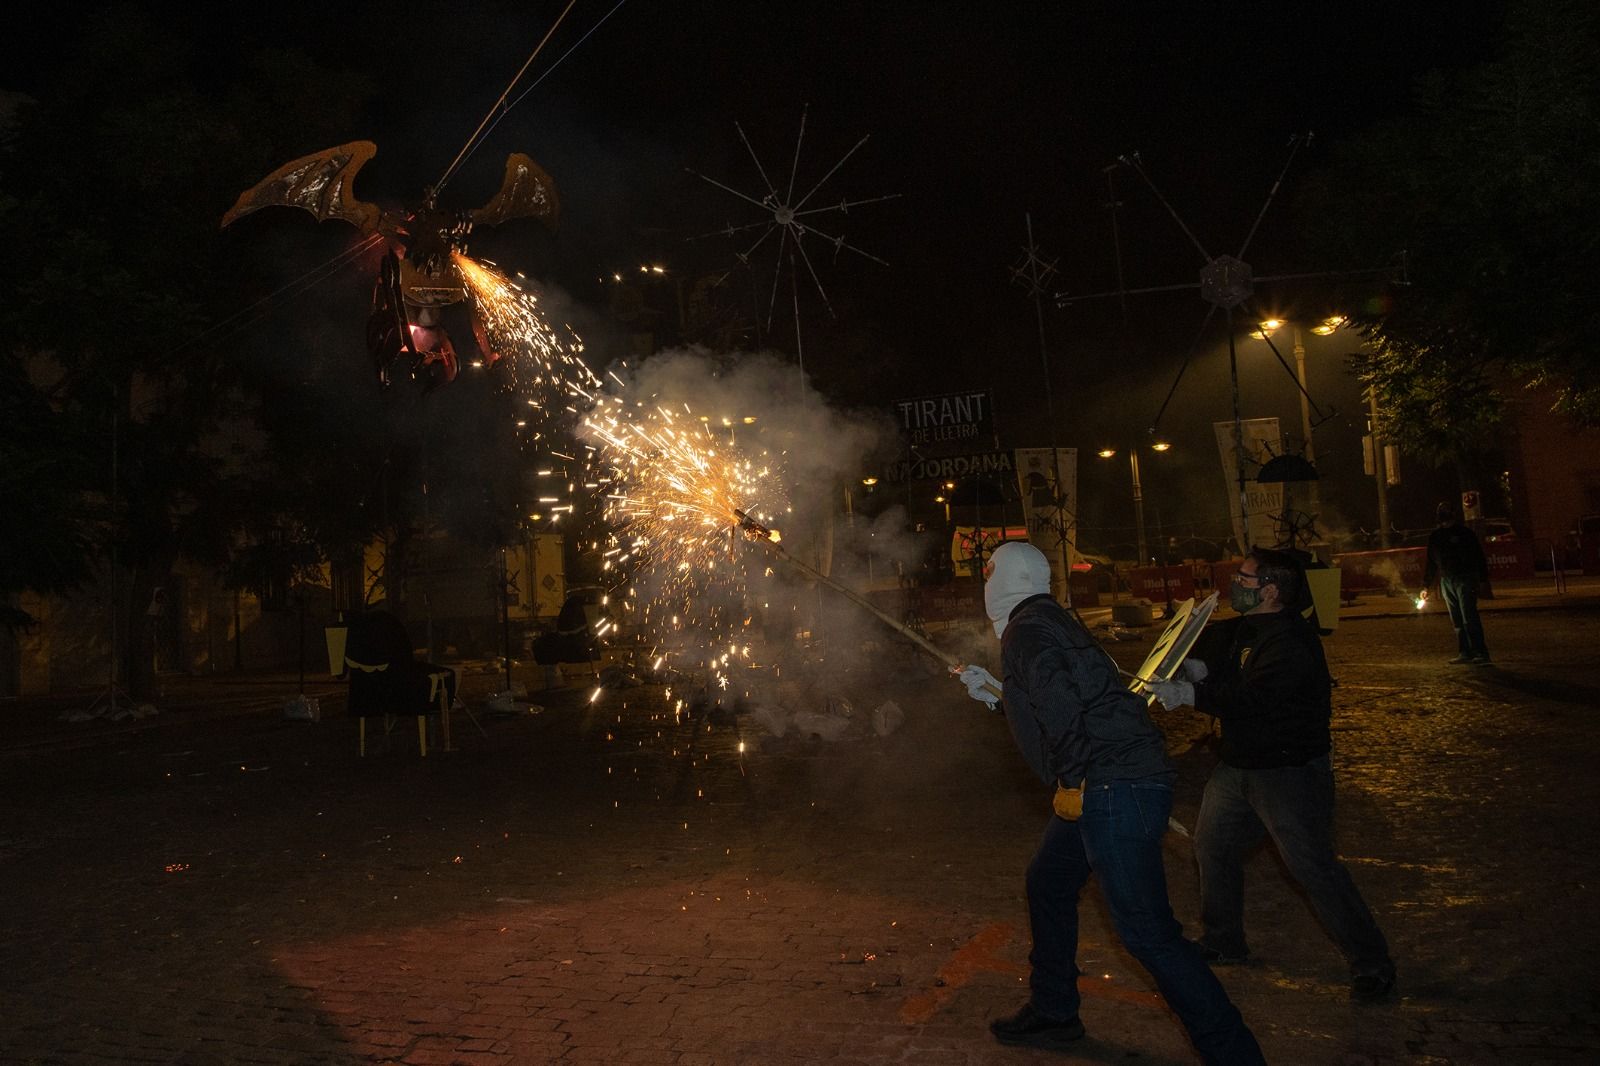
<point>1222,575</point>
<point>1147,581</point>
<point>1395,570</point>
<point>1510,558</point>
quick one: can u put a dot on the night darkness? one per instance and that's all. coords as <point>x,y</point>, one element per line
<point>977,116</point>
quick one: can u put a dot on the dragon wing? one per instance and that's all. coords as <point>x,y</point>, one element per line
<point>320,182</point>
<point>526,192</point>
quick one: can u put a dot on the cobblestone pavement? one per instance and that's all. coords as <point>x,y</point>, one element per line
<point>614,882</point>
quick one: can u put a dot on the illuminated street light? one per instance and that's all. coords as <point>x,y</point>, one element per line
<point>869,481</point>
<point>1138,491</point>
<point>1324,328</point>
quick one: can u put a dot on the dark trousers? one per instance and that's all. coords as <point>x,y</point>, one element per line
<point>1118,838</point>
<point>1461,600</point>
<point>1294,804</point>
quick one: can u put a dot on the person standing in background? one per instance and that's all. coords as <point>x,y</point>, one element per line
<point>1457,562</point>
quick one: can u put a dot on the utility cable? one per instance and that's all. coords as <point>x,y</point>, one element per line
<point>294,287</point>
<point>486,124</point>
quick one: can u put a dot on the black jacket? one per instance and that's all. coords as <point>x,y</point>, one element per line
<point>1069,712</point>
<point>1454,552</point>
<point>1270,689</point>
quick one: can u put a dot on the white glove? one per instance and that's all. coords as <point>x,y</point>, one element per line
<point>1193,670</point>
<point>975,678</point>
<point>1172,693</point>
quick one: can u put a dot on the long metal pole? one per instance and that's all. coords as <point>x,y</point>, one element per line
<point>1238,443</point>
<point>952,661</point>
<point>1064,595</point>
<point>505,615</point>
<point>1305,412</point>
<point>1380,473</point>
<point>1138,506</point>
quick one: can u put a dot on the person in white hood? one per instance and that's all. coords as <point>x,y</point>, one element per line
<point>1082,731</point>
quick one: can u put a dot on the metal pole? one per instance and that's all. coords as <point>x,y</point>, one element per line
<point>1065,593</point>
<point>1305,412</point>
<point>1238,442</point>
<point>1138,506</point>
<point>505,615</point>
<point>1379,472</point>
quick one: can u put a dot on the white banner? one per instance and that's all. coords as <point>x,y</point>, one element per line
<point>1050,508</point>
<point>1263,501</point>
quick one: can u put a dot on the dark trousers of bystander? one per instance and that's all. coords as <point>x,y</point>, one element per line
<point>1461,600</point>
<point>1294,804</point>
<point>1118,838</point>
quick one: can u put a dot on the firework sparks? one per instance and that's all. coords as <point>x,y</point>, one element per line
<point>678,494</point>
<point>677,497</point>
<point>545,369</point>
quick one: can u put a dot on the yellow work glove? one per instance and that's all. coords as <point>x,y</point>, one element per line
<point>1068,803</point>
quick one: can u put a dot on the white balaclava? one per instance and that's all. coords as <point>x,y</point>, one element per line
<point>1020,571</point>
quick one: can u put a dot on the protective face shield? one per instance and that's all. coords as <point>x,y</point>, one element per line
<point>1020,571</point>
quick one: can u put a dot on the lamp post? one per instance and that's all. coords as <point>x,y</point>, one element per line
<point>1138,492</point>
<point>1323,328</point>
<point>1380,472</point>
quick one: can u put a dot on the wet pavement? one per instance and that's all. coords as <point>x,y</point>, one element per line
<point>623,881</point>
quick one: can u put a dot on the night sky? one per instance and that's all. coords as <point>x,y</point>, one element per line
<point>978,114</point>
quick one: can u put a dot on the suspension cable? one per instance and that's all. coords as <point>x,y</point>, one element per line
<point>472,141</point>
<point>327,268</point>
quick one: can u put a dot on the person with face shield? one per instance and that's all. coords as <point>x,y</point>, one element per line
<point>1263,675</point>
<point>1084,733</point>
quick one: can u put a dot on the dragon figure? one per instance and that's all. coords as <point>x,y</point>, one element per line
<point>417,277</point>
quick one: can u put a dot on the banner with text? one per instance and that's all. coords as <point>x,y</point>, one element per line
<point>1050,507</point>
<point>950,467</point>
<point>1263,500</point>
<point>953,421</point>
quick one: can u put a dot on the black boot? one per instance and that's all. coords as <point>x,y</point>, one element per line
<point>1029,1028</point>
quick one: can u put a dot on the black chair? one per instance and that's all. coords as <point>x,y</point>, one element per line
<point>386,679</point>
<point>573,640</point>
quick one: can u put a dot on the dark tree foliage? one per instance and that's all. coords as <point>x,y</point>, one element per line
<point>1488,186</point>
<point>112,185</point>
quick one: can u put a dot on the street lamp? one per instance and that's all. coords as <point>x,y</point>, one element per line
<point>1324,328</point>
<point>1138,491</point>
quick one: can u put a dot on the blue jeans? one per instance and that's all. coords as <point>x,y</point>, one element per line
<point>1461,600</point>
<point>1118,838</point>
<point>1294,804</point>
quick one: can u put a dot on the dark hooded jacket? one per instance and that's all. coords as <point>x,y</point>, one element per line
<point>1268,683</point>
<point>1069,712</point>
<point>1454,552</point>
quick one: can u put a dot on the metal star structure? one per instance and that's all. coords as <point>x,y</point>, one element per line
<point>1032,272</point>
<point>792,217</point>
<point>1226,283</point>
